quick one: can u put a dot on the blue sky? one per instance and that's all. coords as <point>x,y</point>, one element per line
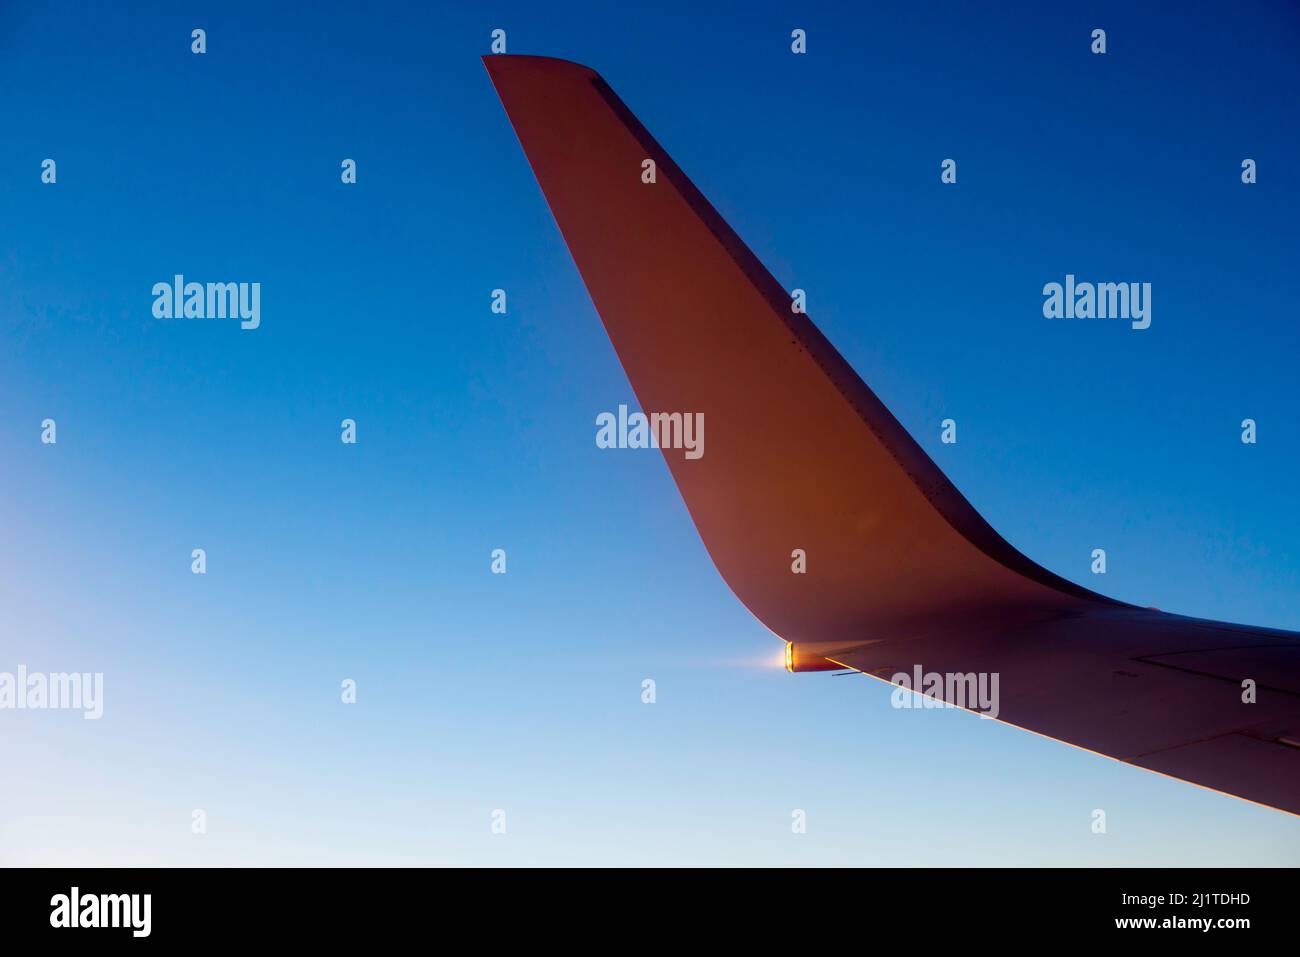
<point>522,692</point>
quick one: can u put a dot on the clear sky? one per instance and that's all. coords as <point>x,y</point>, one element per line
<point>522,691</point>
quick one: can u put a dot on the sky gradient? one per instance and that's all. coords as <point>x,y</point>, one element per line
<point>476,431</point>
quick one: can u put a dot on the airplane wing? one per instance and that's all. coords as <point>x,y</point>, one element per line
<point>804,467</point>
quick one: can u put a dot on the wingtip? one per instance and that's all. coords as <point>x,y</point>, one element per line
<point>518,64</point>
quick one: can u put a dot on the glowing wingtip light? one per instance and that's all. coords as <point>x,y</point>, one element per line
<point>789,656</point>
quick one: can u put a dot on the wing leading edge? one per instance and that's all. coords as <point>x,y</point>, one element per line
<point>801,455</point>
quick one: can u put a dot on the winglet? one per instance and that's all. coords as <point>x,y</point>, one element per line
<point>802,458</point>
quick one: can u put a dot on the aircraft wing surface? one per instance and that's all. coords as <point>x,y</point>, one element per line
<point>802,458</point>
